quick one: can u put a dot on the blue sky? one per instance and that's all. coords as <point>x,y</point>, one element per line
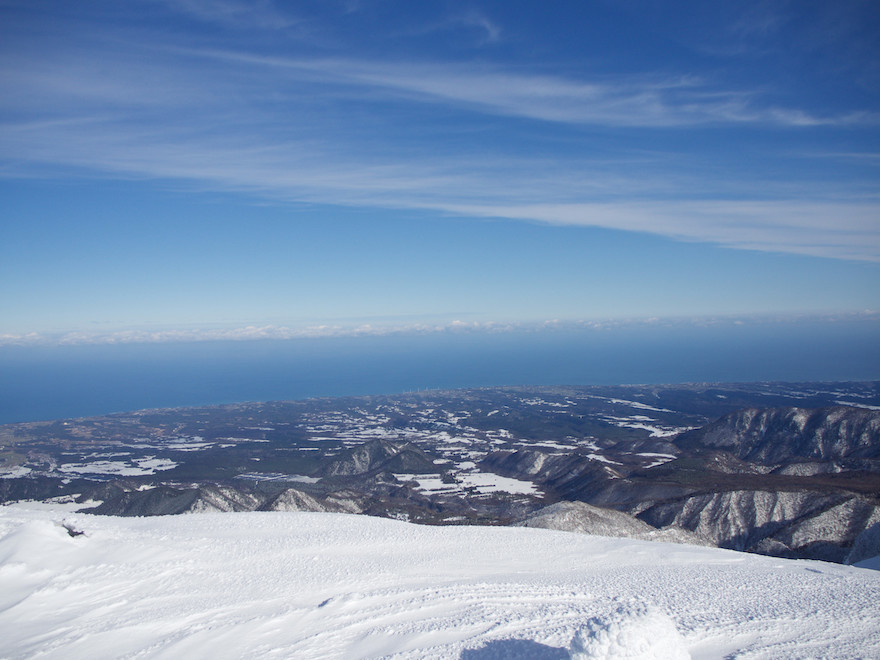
<point>221,168</point>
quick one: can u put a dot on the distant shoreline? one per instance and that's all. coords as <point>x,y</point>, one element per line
<point>40,383</point>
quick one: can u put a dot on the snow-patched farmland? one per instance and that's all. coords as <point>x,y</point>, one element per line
<point>308,585</point>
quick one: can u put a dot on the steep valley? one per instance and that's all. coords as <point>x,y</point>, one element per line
<point>791,470</point>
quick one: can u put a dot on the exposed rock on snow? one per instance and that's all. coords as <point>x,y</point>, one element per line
<point>866,545</point>
<point>292,499</point>
<point>805,524</point>
<point>776,435</point>
<point>379,455</point>
<point>169,500</point>
<point>809,469</point>
<point>563,472</point>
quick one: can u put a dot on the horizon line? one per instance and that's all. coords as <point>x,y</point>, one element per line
<point>270,332</point>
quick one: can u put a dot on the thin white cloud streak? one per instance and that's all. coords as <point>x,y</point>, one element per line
<point>173,76</point>
<point>858,156</point>
<point>477,20</point>
<point>823,229</point>
<point>261,14</point>
<point>647,101</point>
<point>472,20</point>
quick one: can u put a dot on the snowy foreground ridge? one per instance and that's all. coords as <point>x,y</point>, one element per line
<point>313,585</point>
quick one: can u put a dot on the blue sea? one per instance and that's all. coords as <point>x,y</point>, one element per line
<point>43,383</point>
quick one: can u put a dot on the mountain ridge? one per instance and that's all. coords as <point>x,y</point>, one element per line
<point>777,435</point>
<point>782,479</point>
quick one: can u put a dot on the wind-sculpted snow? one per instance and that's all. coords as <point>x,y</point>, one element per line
<point>629,632</point>
<point>318,585</point>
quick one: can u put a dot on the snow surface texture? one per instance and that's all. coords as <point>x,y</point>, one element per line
<point>630,632</point>
<point>324,585</point>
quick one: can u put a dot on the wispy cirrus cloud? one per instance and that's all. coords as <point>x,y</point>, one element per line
<point>825,229</point>
<point>475,19</point>
<point>183,77</point>
<point>262,14</point>
<point>290,128</point>
<point>574,193</point>
<point>472,21</point>
<point>648,101</point>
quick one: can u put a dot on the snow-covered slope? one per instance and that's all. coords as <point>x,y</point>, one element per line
<point>322,585</point>
<point>583,518</point>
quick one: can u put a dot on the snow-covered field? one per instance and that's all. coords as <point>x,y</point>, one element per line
<point>483,483</point>
<point>308,585</point>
